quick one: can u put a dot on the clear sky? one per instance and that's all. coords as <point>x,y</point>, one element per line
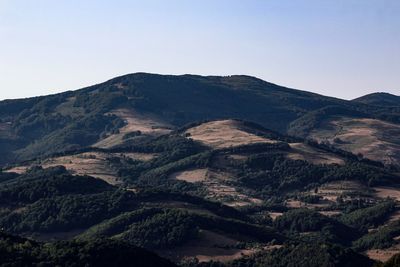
<point>342,48</point>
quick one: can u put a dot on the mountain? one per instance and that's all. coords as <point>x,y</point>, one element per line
<point>380,99</point>
<point>149,104</point>
<point>202,171</point>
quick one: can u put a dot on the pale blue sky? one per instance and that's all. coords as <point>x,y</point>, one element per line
<point>342,48</point>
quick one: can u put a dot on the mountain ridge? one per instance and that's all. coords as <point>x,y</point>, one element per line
<point>198,75</point>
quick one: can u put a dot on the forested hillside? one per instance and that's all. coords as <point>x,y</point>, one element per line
<point>16,251</point>
<point>210,191</point>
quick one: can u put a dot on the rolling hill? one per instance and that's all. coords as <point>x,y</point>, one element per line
<point>211,190</point>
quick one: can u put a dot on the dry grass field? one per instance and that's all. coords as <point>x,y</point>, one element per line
<point>387,191</point>
<point>305,152</point>
<point>137,156</point>
<point>224,133</point>
<point>275,215</point>
<point>217,185</point>
<point>191,176</point>
<point>375,139</point>
<point>145,123</point>
<point>89,163</point>
<point>383,254</point>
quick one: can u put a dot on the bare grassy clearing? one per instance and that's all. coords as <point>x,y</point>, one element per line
<point>386,191</point>
<point>217,187</point>
<point>145,123</point>
<point>19,210</point>
<point>375,139</point>
<point>294,204</point>
<point>18,169</point>
<point>93,164</point>
<point>224,133</point>
<point>238,157</point>
<point>383,254</point>
<point>331,213</point>
<point>191,176</point>
<point>275,215</point>
<point>137,156</point>
<point>395,216</point>
<point>305,152</point>
<point>90,163</point>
